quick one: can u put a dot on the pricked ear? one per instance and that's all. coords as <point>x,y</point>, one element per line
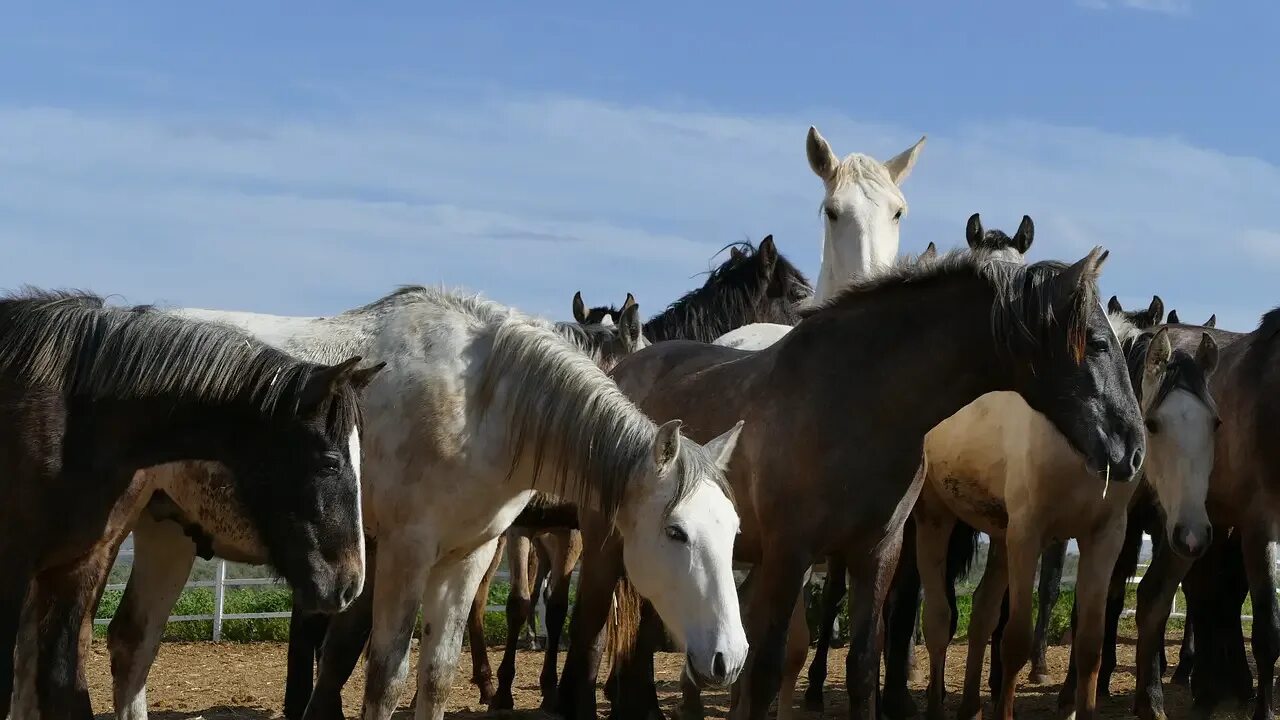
<point>629,326</point>
<point>721,448</point>
<point>1212,321</point>
<point>822,160</point>
<point>666,445</point>
<point>1113,305</point>
<point>973,231</point>
<point>361,378</point>
<point>1158,354</point>
<point>323,383</point>
<point>735,254</point>
<point>1173,318</point>
<point>1156,310</point>
<point>1025,235</point>
<point>1086,270</point>
<point>930,252</point>
<point>1207,355</point>
<point>579,309</point>
<point>768,253</point>
<point>899,166</point>
<point>629,302</point>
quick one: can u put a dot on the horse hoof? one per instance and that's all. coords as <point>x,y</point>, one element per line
<point>1039,677</point>
<point>899,706</point>
<point>502,701</point>
<point>1182,676</point>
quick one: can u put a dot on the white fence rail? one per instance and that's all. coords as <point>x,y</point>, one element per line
<point>221,583</point>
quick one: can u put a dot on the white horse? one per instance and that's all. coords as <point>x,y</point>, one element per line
<point>479,407</point>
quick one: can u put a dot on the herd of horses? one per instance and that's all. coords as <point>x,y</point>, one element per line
<point>874,423</point>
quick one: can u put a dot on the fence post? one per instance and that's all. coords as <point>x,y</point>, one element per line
<point>219,589</point>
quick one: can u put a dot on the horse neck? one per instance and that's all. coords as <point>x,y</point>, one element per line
<point>136,434</point>
<point>696,319</point>
<point>315,339</point>
<point>913,356</point>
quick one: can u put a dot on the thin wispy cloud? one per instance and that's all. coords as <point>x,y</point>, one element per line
<point>1165,7</point>
<point>531,199</point>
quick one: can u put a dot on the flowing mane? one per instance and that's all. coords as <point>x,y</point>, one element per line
<point>73,341</point>
<point>733,295</point>
<point>1022,314</point>
<point>580,428</point>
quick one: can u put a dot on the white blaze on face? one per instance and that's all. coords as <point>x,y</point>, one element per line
<point>354,457</point>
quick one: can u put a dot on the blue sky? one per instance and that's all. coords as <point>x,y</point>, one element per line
<point>303,159</point>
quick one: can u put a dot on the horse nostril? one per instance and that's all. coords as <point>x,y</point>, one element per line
<point>1136,461</point>
<point>718,668</point>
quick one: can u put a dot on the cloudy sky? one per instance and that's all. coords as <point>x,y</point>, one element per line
<point>305,159</point>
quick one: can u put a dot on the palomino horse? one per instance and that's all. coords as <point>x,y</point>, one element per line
<point>1009,473</point>
<point>839,378</point>
<point>1241,500</point>
<point>481,407</point>
<point>89,395</point>
<point>166,539</point>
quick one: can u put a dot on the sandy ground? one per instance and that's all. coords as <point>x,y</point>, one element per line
<point>224,681</point>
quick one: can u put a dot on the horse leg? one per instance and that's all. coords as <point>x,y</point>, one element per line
<point>601,568</point>
<point>933,533</point>
<point>1186,655</point>
<point>833,590</point>
<point>1259,564</point>
<point>1021,552</point>
<point>162,558</point>
<point>793,661</point>
<point>995,673</point>
<point>306,638</point>
<point>871,577</point>
<point>772,599</point>
<point>519,548</point>
<point>1098,553</point>
<point>401,576</point>
<point>902,612</point>
<point>1051,562</point>
<point>448,593</point>
<point>982,623</point>
<point>344,640</point>
<point>1215,588</point>
<point>540,564</point>
<point>67,595</point>
<point>1155,597</point>
<point>481,673</point>
<point>568,550</point>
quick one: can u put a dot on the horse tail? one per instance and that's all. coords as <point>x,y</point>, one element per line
<point>624,625</point>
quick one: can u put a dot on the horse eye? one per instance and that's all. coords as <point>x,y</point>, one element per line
<point>1153,427</point>
<point>1098,345</point>
<point>678,534</point>
<point>898,215</point>
<point>831,214</point>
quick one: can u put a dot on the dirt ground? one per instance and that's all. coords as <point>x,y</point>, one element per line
<point>225,681</point>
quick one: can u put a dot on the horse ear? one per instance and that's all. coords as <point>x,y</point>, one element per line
<point>361,378</point>
<point>1212,321</point>
<point>1084,272</point>
<point>930,252</point>
<point>735,254</point>
<point>721,448</point>
<point>666,444</point>
<point>629,326</point>
<point>899,166</point>
<point>822,160</point>
<point>1113,305</point>
<point>1026,234</point>
<point>1173,317</point>
<point>579,309</point>
<point>323,383</point>
<point>768,253</point>
<point>973,231</point>
<point>1158,354</point>
<point>1156,310</point>
<point>1207,354</point>
<point>629,302</point>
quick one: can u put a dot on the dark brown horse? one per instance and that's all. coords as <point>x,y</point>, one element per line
<point>832,388</point>
<point>89,395</point>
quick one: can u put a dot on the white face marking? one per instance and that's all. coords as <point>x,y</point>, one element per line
<point>1180,459</point>
<point>354,457</point>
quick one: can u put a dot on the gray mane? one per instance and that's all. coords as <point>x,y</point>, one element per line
<point>567,418</point>
<point>74,342</point>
